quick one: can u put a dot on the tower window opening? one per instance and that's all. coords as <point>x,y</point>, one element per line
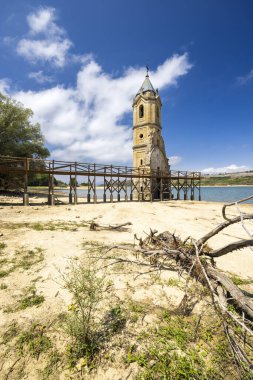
<point>141,136</point>
<point>141,162</point>
<point>141,111</point>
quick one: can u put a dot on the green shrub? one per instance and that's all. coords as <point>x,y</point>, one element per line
<point>88,325</point>
<point>83,324</point>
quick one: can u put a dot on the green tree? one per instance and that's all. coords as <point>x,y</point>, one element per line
<point>19,137</point>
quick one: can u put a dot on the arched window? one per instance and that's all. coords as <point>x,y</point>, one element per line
<point>141,111</point>
<point>141,162</point>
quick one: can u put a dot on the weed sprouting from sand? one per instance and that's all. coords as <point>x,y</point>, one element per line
<point>174,282</point>
<point>26,260</point>
<point>182,348</point>
<point>29,298</point>
<point>2,246</point>
<point>240,281</point>
<point>38,227</point>
<point>22,260</point>
<point>135,309</point>
<point>12,331</point>
<point>53,363</point>
<point>33,341</point>
<point>4,273</point>
<point>57,226</point>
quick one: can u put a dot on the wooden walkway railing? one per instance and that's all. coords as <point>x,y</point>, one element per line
<point>127,182</point>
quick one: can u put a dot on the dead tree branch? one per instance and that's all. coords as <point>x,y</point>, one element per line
<point>118,227</point>
<point>233,204</point>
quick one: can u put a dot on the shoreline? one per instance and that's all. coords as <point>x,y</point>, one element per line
<point>226,186</point>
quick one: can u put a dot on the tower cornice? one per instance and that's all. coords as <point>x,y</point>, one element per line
<point>146,98</point>
<point>147,124</point>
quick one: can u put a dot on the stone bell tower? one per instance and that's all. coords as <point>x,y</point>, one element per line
<point>148,144</point>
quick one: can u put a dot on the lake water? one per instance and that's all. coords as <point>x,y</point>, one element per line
<point>226,194</point>
<point>209,194</point>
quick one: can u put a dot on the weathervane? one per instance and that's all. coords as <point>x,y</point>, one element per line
<point>147,70</point>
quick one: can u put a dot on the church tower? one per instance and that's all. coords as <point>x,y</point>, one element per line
<point>148,145</point>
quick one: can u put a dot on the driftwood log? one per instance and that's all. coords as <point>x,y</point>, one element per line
<point>117,227</point>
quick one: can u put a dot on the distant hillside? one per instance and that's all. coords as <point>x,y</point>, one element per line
<point>232,179</point>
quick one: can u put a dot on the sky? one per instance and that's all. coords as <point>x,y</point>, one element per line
<point>79,64</point>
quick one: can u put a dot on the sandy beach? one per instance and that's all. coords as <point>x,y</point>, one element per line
<point>62,233</point>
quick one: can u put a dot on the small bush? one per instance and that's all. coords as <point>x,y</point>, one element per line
<point>83,320</point>
<point>88,325</point>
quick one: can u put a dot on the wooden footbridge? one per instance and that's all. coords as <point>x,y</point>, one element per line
<point>126,183</point>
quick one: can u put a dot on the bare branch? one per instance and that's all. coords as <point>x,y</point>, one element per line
<point>221,227</point>
<point>232,204</point>
<point>244,243</point>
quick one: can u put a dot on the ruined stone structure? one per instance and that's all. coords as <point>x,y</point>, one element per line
<point>148,144</point>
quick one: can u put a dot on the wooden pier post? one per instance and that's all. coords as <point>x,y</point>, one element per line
<point>111,189</point>
<point>94,188</point>
<point>25,194</point>
<point>126,196</point>
<point>70,185</point>
<point>161,188</point>
<point>75,186</point>
<point>51,196</point>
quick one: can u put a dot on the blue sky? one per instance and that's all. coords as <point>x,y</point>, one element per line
<point>78,65</point>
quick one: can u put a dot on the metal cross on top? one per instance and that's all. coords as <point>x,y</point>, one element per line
<point>147,68</point>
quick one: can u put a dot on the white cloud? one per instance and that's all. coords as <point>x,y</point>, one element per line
<point>85,122</point>
<point>43,21</point>
<point>241,81</point>
<point>46,41</point>
<point>4,86</point>
<point>174,160</point>
<point>226,169</point>
<point>40,77</point>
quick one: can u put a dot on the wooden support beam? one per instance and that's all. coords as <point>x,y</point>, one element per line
<point>26,195</point>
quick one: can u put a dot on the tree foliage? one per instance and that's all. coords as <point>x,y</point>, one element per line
<point>18,136</point>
